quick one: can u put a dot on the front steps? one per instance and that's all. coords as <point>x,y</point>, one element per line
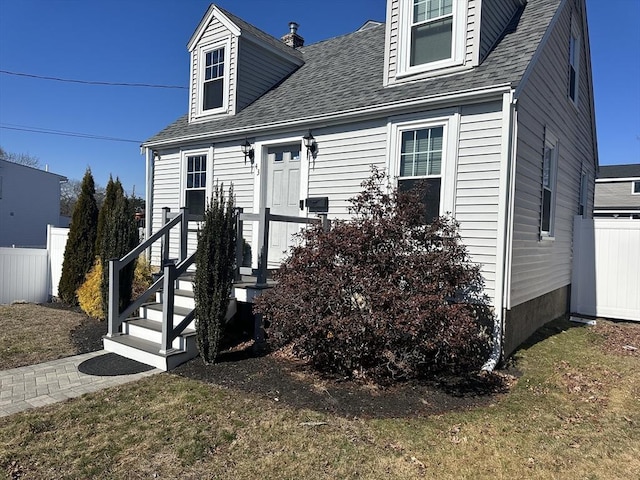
<point>140,337</point>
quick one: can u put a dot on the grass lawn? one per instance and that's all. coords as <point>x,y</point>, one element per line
<point>32,333</point>
<point>574,412</point>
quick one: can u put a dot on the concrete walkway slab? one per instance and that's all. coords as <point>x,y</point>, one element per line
<point>34,386</point>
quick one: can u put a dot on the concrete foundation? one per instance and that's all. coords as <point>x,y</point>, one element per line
<point>524,319</point>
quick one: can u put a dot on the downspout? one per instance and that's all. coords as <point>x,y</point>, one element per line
<point>509,187</point>
<point>148,208</point>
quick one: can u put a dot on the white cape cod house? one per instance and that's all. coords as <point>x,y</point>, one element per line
<point>491,101</point>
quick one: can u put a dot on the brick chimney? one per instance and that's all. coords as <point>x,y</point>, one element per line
<point>292,38</point>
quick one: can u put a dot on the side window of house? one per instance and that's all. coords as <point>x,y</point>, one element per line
<point>549,169</point>
<point>431,31</point>
<point>635,187</point>
<point>421,165</point>
<point>574,63</point>
<point>213,87</point>
<point>196,183</point>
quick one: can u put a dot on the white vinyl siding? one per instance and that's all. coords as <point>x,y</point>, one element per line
<point>258,71</point>
<point>473,18</point>
<point>344,161</point>
<point>496,15</point>
<point>540,267</point>
<point>166,193</point>
<point>477,185</point>
<point>229,168</point>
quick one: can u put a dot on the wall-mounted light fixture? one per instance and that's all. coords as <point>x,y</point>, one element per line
<point>248,151</point>
<point>310,143</point>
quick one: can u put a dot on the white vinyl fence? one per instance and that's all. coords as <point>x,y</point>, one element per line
<point>32,274</point>
<point>606,268</point>
<point>56,241</point>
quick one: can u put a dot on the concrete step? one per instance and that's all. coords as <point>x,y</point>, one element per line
<point>148,352</point>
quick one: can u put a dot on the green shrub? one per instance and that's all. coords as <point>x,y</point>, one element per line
<point>215,265</point>
<point>89,294</point>
<point>119,237</point>
<point>382,296</point>
<point>79,252</point>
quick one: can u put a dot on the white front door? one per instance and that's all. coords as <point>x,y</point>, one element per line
<point>283,198</point>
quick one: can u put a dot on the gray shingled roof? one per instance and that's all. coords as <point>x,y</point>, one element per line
<point>619,171</point>
<point>345,73</point>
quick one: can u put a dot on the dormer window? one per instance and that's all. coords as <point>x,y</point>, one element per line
<point>213,79</point>
<point>431,35</point>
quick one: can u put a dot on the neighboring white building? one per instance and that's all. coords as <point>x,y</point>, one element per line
<point>618,191</point>
<point>29,201</point>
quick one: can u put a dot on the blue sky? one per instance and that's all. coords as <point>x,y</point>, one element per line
<point>144,41</point>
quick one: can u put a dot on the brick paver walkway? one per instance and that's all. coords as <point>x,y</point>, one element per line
<point>50,382</point>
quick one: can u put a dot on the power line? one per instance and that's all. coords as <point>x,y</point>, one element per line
<point>24,128</point>
<point>89,82</point>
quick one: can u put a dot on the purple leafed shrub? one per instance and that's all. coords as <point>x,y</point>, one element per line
<point>382,296</point>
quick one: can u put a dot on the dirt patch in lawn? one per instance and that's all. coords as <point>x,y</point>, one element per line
<point>620,338</point>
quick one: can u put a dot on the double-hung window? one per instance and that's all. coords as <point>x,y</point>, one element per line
<point>431,31</point>
<point>431,35</point>
<point>421,152</point>
<point>196,184</point>
<point>549,169</point>
<point>214,75</point>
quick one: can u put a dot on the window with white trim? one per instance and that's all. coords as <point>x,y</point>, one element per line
<point>431,34</point>
<point>213,81</point>
<point>635,187</point>
<point>549,169</point>
<point>421,152</point>
<point>574,65</point>
<point>195,184</point>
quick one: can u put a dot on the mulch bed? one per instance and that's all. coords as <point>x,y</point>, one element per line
<point>280,378</point>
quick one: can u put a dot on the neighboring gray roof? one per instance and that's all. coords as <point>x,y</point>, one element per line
<point>346,73</point>
<point>619,171</point>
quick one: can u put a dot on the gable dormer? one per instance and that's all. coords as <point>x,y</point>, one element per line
<point>425,38</point>
<point>232,64</point>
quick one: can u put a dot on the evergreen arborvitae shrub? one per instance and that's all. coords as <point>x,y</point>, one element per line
<point>382,296</point>
<point>79,252</point>
<point>120,236</point>
<point>111,193</point>
<point>215,265</point>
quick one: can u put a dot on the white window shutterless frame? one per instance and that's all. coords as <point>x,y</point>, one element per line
<point>213,78</point>
<point>549,179</point>
<point>426,149</point>
<point>196,174</point>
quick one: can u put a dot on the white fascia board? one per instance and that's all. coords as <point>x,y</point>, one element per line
<point>346,116</point>
<point>617,179</point>
<point>213,12</point>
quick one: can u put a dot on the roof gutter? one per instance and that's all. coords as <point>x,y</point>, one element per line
<point>345,116</point>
